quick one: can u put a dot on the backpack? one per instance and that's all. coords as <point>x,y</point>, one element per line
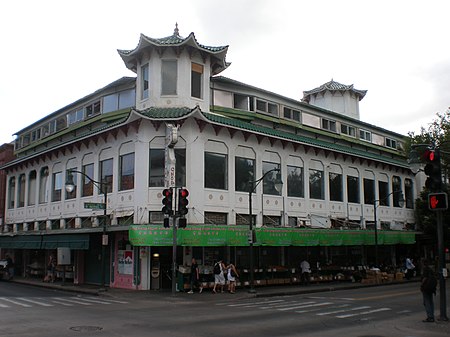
<point>217,268</point>
<point>429,286</point>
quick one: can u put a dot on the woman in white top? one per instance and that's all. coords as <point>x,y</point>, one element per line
<point>231,276</point>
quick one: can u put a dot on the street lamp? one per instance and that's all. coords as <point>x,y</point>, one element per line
<point>278,184</point>
<point>401,202</point>
<point>102,187</point>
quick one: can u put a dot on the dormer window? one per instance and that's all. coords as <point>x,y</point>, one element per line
<point>196,80</point>
<point>365,135</point>
<point>328,125</point>
<point>169,71</point>
<point>391,143</point>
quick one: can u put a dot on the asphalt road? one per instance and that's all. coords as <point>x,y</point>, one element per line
<point>368,312</point>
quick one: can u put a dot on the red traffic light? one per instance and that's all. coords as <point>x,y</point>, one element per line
<point>184,193</point>
<point>167,201</point>
<point>167,192</point>
<point>437,201</point>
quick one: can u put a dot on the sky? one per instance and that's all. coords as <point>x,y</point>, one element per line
<point>398,51</point>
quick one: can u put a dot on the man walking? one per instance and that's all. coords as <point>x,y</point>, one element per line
<point>428,288</point>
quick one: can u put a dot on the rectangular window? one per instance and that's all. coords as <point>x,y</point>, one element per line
<point>261,105</point>
<point>353,189</point>
<point>216,171</point>
<point>87,184</point>
<point>43,185</point>
<point>391,143</point>
<point>32,185</point>
<point>295,182</point>
<point>271,178</point>
<point>273,109</point>
<point>156,175</point>
<point>145,84</point>
<point>348,130</point>
<point>126,181</point>
<point>397,191</point>
<point>244,171</point>
<point>73,194</point>
<point>291,114</point>
<point>328,125</point>
<point>127,98</point>
<point>215,218</point>
<point>365,135</point>
<point>383,193</point>
<point>409,194</point>
<point>11,192</point>
<point>21,192</point>
<point>169,71</point>
<point>93,109</point>
<point>196,80</point>
<point>336,190</point>
<point>75,116</point>
<point>110,103</point>
<point>316,184</point>
<point>369,191</point>
<point>57,186</point>
<point>106,174</point>
<point>271,221</point>
<point>242,102</point>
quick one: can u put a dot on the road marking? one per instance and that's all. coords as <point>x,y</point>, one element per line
<point>4,306</point>
<point>71,301</point>
<point>339,311</point>
<point>305,306</point>
<point>109,300</point>
<point>257,303</point>
<point>333,298</point>
<point>35,302</point>
<point>312,310</point>
<point>363,313</point>
<point>89,300</point>
<point>62,303</point>
<point>285,304</point>
<point>404,312</point>
<point>15,302</point>
<point>386,295</point>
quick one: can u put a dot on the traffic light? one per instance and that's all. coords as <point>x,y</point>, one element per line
<point>167,201</point>
<point>433,170</point>
<point>437,201</point>
<point>182,222</point>
<point>183,201</point>
<point>166,222</point>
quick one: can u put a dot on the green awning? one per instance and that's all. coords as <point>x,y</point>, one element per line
<point>72,241</point>
<point>156,235</point>
<point>21,241</point>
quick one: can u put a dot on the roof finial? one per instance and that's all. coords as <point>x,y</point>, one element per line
<point>176,32</point>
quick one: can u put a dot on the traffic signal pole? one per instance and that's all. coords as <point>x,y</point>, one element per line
<point>441,255</point>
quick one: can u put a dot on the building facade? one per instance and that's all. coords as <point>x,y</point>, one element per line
<point>347,187</point>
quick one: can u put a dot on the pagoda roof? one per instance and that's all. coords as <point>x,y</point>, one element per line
<point>333,86</point>
<point>218,54</point>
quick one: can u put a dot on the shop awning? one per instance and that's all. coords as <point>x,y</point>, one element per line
<point>21,241</point>
<point>72,241</point>
<point>156,235</point>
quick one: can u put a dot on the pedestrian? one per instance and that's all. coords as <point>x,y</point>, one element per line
<point>231,276</point>
<point>9,267</point>
<point>409,265</point>
<point>51,269</point>
<point>195,277</point>
<point>219,276</point>
<point>306,271</point>
<point>428,289</point>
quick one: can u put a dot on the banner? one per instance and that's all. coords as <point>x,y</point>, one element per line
<point>213,236</point>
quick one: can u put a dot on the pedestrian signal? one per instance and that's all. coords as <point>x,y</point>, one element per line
<point>437,201</point>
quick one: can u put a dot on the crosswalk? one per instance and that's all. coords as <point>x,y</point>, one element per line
<point>33,302</point>
<point>336,308</point>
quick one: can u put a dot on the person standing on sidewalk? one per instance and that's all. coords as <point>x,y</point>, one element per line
<point>219,276</point>
<point>195,277</point>
<point>409,265</point>
<point>306,271</point>
<point>428,288</point>
<point>232,274</point>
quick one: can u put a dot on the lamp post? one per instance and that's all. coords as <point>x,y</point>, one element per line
<point>102,186</point>
<point>401,202</point>
<point>252,186</point>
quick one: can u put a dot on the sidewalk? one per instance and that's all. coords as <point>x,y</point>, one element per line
<point>263,291</point>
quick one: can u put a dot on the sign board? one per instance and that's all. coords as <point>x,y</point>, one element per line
<point>437,201</point>
<point>94,205</point>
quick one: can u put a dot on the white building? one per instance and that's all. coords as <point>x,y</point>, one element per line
<point>334,168</point>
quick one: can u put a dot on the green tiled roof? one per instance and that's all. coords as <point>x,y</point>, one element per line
<point>165,113</point>
<point>334,86</point>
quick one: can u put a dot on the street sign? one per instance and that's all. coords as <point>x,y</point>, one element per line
<point>437,201</point>
<point>94,205</point>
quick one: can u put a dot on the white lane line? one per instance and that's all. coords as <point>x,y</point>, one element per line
<point>4,306</point>
<point>332,298</point>
<point>339,311</point>
<point>109,300</point>
<point>62,303</point>
<point>305,306</point>
<point>256,303</point>
<point>403,312</point>
<point>71,301</point>
<point>285,305</point>
<point>15,302</point>
<point>364,313</point>
<point>35,302</point>
<point>312,310</point>
<point>89,300</point>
